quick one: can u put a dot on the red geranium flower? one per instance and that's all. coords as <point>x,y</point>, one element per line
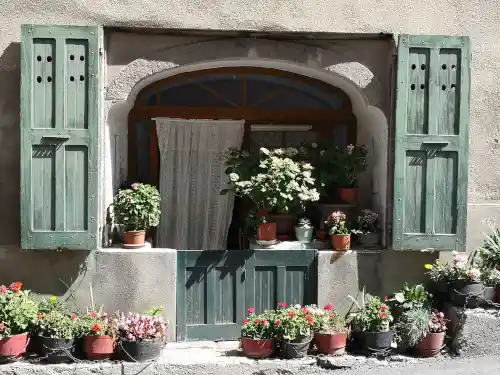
<point>383,315</point>
<point>291,314</point>
<point>246,321</point>
<point>383,307</point>
<point>328,307</point>
<point>93,314</point>
<point>251,310</point>
<point>74,317</point>
<point>2,327</point>
<point>16,286</point>
<point>305,310</point>
<point>257,321</point>
<point>277,322</point>
<point>264,321</point>
<point>96,328</point>
<point>3,290</point>
<point>386,298</point>
<point>282,304</point>
<point>332,316</point>
<point>310,319</point>
<point>261,213</point>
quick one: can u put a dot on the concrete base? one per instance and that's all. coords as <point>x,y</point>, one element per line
<point>475,332</point>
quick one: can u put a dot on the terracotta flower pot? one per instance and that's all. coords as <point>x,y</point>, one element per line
<point>348,195</point>
<point>134,239</point>
<point>341,242</point>
<point>98,347</point>
<point>257,348</point>
<point>14,346</point>
<point>285,224</point>
<point>266,232</point>
<point>431,344</point>
<point>332,344</point>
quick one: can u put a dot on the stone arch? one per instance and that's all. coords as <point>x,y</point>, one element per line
<point>351,78</point>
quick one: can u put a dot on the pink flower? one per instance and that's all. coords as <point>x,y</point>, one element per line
<point>251,310</point>
<point>3,290</point>
<point>134,186</point>
<point>441,315</point>
<point>328,307</point>
<point>130,337</point>
<point>2,327</point>
<point>282,304</point>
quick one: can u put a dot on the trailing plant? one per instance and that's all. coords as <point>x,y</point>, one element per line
<point>294,321</point>
<point>367,222</point>
<point>52,304</point>
<point>56,325</point>
<point>137,208</point>
<point>275,181</point>
<point>304,223</point>
<point>136,327</point>
<point>412,325</point>
<point>336,224</point>
<point>262,326</point>
<point>17,310</point>
<point>327,320</point>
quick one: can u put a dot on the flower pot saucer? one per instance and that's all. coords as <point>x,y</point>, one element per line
<point>131,246</point>
<point>266,243</point>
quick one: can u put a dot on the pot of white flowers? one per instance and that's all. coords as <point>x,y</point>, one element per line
<point>367,231</point>
<point>304,230</point>
<point>467,289</point>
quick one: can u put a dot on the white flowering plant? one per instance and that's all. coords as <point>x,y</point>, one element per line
<point>273,180</point>
<point>459,271</point>
<point>367,222</point>
<point>351,162</point>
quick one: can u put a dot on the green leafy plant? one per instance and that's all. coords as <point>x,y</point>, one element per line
<point>350,163</point>
<point>137,208</point>
<point>459,271</point>
<point>410,298</point>
<point>49,305</point>
<point>367,222</point>
<point>489,253</point>
<point>56,325</point>
<point>18,310</point>
<point>275,181</point>
<point>304,223</point>
<point>96,323</point>
<point>154,311</point>
<point>336,224</point>
<point>491,277</point>
<point>262,326</point>
<point>373,316</point>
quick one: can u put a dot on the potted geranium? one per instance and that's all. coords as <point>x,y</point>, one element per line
<point>295,330</point>
<point>56,336</point>
<point>266,231</point>
<point>351,163</point>
<point>368,231</point>
<point>258,334</point>
<point>141,336</point>
<point>98,331</point>
<point>17,314</point>
<point>136,209</point>
<point>272,180</point>
<point>432,340</point>
<point>304,230</point>
<point>339,233</point>
<point>330,330</point>
<point>371,326</point>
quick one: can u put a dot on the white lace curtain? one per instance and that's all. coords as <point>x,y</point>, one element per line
<point>194,214</point>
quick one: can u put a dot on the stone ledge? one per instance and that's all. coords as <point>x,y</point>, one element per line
<point>475,332</point>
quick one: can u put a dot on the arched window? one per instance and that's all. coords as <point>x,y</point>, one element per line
<point>280,109</point>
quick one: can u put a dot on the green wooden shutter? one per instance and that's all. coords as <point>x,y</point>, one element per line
<point>60,112</point>
<point>432,134</point>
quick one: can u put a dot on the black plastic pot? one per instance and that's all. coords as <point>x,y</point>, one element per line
<point>139,351</point>
<point>296,348</point>
<point>55,350</point>
<point>489,295</point>
<point>373,343</point>
<point>468,295</point>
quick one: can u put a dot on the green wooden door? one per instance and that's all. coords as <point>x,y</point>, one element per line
<point>273,276</point>
<point>210,294</point>
<point>432,122</point>
<point>215,288</point>
<point>60,122</point>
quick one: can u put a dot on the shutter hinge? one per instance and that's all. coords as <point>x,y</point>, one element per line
<point>101,51</point>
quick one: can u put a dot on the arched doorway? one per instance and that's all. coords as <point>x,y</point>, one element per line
<point>280,109</point>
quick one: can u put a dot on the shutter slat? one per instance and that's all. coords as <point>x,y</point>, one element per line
<point>60,102</point>
<point>431,157</point>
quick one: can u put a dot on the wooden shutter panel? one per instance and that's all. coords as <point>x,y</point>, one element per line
<point>432,134</point>
<point>60,111</point>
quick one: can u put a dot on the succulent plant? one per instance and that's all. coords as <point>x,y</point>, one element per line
<point>304,223</point>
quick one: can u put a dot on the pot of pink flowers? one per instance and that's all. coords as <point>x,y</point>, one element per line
<point>141,337</point>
